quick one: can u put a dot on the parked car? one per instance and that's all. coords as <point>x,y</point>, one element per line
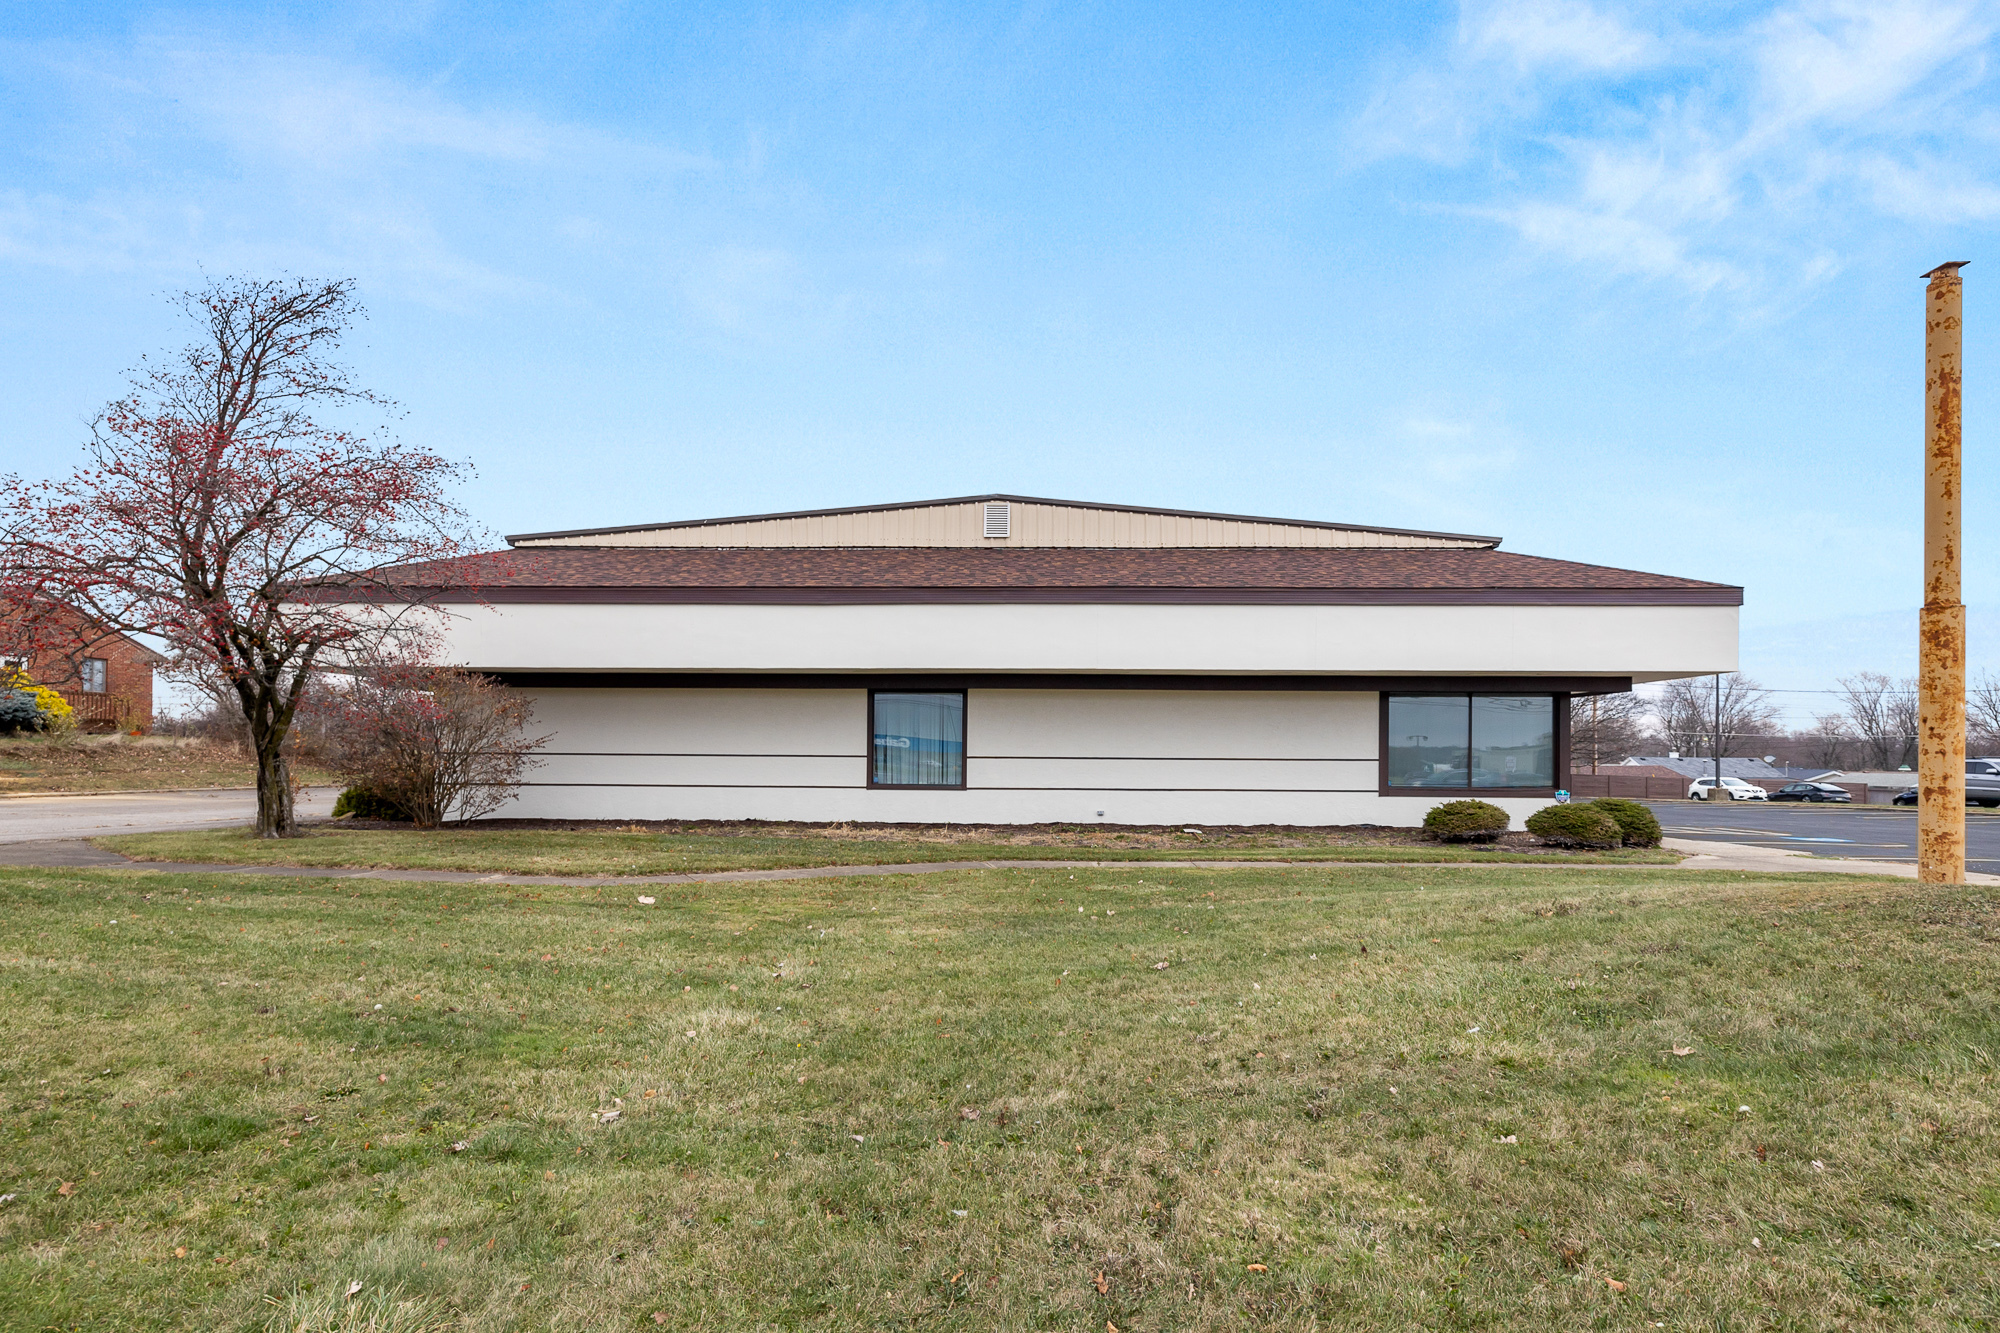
<point>1982,781</point>
<point>1734,789</point>
<point>1812,791</point>
<point>1982,785</point>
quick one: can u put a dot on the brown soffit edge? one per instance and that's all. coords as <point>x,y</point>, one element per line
<point>1714,595</point>
<point>528,679</point>
<point>1490,542</point>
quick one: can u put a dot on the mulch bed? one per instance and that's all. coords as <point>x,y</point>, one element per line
<point>1131,836</point>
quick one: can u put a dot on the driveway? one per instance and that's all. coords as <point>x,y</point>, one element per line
<point>1870,832</point>
<point>35,818</point>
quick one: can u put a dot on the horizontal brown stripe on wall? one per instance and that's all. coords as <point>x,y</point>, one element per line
<point>1171,758</point>
<point>991,680</point>
<point>691,754</point>
<point>976,758</point>
<point>821,596</point>
<point>800,786</point>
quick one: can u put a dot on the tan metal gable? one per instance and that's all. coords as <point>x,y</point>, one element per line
<point>1029,522</point>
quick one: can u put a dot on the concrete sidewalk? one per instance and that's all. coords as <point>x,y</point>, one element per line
<point>1783,861</point>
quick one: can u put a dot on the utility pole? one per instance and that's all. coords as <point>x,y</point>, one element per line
<point>1941,624</point>
<point>1718,734</point>
<point>1596,733</point>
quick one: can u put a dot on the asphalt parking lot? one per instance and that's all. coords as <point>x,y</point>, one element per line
<point>32,818</point>
<point>1872,832</point>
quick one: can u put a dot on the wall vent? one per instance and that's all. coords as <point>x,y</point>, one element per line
<point>996,518</point>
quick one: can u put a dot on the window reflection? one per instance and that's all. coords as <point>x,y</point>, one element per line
<point>1471,740</point>
<point>1513,740</point>
<point>1428,739</point>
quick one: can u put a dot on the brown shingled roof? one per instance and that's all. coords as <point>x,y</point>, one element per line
<point>1329,576</point>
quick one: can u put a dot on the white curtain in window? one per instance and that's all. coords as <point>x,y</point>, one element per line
<point>919,740</point>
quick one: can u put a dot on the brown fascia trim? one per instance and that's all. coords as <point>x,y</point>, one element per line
<point>1714,595</point>
<point>1490,542</point>
<point>1048,680</point>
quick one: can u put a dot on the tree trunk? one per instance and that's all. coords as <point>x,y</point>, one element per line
<point>275,818</point>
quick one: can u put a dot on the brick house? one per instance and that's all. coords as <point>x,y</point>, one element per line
<point>107,677</point>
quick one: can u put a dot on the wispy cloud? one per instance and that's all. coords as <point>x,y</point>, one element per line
<point>241,156</point>
<point>1542,34</point>
<point>1734,158</point>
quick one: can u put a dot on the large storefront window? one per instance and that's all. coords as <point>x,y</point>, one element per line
<point>1469,741</point>
<point>919,739</point>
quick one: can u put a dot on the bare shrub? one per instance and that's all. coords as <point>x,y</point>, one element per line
<point>439,742</point>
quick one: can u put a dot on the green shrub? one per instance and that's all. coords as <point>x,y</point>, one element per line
<point>363,802</point>
<point>1635,821</point>
<point>1575,826</point>
<point>1465,821</point>
<point>18,712</point>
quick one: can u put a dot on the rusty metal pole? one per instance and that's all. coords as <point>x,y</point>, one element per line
<point>1941,624</point>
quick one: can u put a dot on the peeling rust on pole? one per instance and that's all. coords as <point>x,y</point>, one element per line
<point>1941,624</point>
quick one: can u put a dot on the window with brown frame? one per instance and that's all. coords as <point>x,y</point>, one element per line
<point>1471,742</point>
<point>916,738</point>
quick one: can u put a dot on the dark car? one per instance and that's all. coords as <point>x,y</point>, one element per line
<point>1982,785</point>
<point>1811,791</point>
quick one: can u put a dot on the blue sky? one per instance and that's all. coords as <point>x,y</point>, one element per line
<point>1628,284</point>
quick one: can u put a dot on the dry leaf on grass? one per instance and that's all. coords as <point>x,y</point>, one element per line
<point>1614,1284</point>
<point>1102,1284</point>
<point>1255,1268</point>
<point>1683,1050</point>
<point>67,1188</point>
<point>180,1251</point>
<point>968,1113</point>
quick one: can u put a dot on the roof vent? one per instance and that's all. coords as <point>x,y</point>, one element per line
<point>996,518</point>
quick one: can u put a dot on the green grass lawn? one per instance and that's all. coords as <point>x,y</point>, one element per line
<point>1360,1098</point>
<point>542,852</point>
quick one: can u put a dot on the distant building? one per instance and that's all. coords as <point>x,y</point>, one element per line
<point>1632,768</point>
<point>1748,769</point>
<point>107,677</point>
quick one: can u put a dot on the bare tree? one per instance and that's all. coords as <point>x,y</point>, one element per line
<point>1605,728</point>
<point>1903,720</point>
<point>1881,716</point>
<point>212,495</point>
<point>1691,722</point>
<point>1982,715</point>
<point>1827,745</point>
<point>438,742</point>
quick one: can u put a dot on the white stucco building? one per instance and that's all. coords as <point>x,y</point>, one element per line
<point>1007,659</point>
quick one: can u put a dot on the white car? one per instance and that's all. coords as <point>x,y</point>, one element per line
<point>1735,789</point>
